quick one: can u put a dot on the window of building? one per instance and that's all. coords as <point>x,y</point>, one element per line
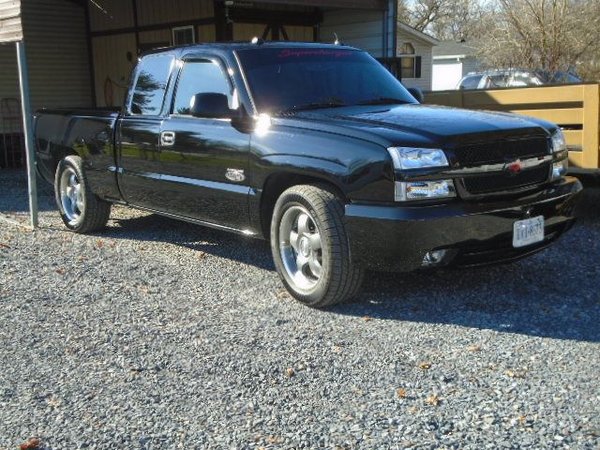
<point>199,77</point>
<point>407,61</point>
<point>184,35</point>
<point>151,85</point>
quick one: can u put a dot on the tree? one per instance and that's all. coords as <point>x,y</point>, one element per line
<point>444,19</point>
<point>551,35</point>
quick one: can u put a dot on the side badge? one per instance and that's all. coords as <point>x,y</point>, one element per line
<point>236,175</point>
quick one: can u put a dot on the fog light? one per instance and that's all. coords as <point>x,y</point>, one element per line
<point>423,190</point>
<point>559,169</point>
<point>434,257</point>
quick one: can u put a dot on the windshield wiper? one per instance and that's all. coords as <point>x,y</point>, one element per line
<point>384,101</point>
<point>315,105</point>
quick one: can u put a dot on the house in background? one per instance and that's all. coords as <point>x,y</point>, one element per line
<point>452,61</point>
<point>413,63</point>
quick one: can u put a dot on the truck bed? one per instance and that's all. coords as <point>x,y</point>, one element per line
<point>88,133</point>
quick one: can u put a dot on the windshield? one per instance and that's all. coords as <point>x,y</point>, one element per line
<point>294,79</point>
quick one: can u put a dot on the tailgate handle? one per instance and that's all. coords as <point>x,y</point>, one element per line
<point>167,138</point>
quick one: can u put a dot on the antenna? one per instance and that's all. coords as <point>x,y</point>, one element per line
<point>337,40</point>
<point>257,41</point>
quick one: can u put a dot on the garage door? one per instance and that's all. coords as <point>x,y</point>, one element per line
<point>446,76</point>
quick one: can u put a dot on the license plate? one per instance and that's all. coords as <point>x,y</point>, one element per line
<point>528,231</point>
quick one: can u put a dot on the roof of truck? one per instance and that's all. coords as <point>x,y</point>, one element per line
<point>244,45</point>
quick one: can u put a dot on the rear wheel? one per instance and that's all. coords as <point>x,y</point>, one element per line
<point>310,246</point>
<point>80,209</point>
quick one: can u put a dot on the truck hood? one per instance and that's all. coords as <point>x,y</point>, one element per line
<point>421,125</point>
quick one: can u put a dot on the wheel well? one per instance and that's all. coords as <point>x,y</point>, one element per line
<point>59,154</point>
<point>274,187</point>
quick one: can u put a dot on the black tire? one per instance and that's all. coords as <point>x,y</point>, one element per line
<point>89,213</point>
<point>339,278</point>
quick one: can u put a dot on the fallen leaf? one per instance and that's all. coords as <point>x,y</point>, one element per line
<point>4,245</point>
<point>401,392</point>
<point>289,372</point>
<point>53,401</point>
<point>514,373</point>
<point>432,400</point>
<point>31,444</point>
<point>60,271</point>
<point>99,243</point>
<point>474,348</point>
<point>425,365</point>
<point>282,294</point>
<point>367,318</point>
<point>274,440</point>
<point>336,349</point>
<point>522,419</point>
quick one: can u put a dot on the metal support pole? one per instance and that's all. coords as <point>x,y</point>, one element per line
<point>28,132</point>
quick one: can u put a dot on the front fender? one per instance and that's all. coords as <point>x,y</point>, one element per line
<point>361,170</point>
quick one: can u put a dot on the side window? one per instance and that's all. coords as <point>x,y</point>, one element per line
<point>199,77</point>
<point>470,82</point>
<point>151,84</point>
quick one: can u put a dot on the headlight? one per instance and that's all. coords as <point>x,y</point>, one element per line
<point>424,190</point>
<point>559,144</point>
<point>559,169</point>
<point>417,158</point>
<point>561,154</point>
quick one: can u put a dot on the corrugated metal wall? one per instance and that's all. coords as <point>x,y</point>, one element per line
<point>10,20</point>
<point>151,12</point>
<point>9,80</point>
<point>57,53</point>
<point>362,29</point>
<point>113,67</point>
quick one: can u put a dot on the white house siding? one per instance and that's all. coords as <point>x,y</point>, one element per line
<point>57,54</point>
<point>358,28</point>
<point>424,50</point>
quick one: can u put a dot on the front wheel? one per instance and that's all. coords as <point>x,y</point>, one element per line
<point>310,246</point>
<point>80,209</point>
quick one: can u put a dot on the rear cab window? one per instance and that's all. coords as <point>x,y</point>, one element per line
<point>151,85</point>
<point>199,77</point>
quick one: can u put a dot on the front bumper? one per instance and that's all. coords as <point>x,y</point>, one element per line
<point>397,238</point>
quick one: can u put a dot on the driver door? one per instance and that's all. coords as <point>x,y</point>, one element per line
<point>205,159</point>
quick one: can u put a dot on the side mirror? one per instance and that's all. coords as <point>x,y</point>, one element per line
<point>417,93</point>
<point>210,105</point>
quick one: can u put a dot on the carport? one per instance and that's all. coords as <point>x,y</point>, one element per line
<point>80,52</point>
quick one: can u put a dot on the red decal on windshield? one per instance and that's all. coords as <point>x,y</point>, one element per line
<point>295,53</point>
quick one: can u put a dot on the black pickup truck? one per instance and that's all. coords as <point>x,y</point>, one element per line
<point>319,149</point>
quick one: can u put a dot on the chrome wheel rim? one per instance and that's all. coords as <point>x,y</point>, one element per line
<point>301,248</point>
<point>71,195</point>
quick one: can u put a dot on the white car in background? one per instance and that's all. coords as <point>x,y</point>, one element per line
<point>514,78</point>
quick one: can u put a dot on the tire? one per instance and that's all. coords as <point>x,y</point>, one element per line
<point>310,246</point>
<point>80,209</point>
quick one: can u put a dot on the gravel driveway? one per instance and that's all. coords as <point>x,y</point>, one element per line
<point>157,334</point>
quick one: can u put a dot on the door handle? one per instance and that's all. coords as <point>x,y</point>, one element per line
<point>167,138</point>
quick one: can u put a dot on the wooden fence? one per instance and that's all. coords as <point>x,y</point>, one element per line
<point>576,108</point>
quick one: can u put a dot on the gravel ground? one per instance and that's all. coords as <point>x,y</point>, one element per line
<point>157,334</point>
